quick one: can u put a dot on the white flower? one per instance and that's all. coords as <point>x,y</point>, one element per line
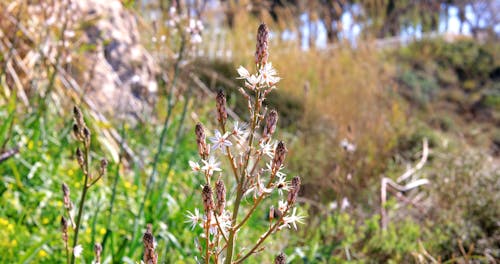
<point>279,173</point>
<point>220,141</point>
<point>196,39</point>
<point>347,146</point>
<point>282,205</point>
<point>239,130</point>
<point>267,75</point>
<point>333,205</point>
<point>194,166</point>
<point>268,148</point>
<point>292,219</point>
<point>282,185</point>
<point>77,251</point>
<point>193,218</point>
<point>210,166</point>
<point>240,133</point>
<point>243,72</point>
<point>172,11</point>
<point>250,79</point>
<point>345,203</point>
<point>258,188</point>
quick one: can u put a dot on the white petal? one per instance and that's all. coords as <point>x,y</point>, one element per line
<point>243,72</point>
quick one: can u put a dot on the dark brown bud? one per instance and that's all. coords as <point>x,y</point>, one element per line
<point>86,135</point>
<point>271,121</point>
<point>279,156</point>
<point>104,166</point>
<point>261,49</point>
<point>201,140</point>
<point>208,202</point>
<point>64,229</point>
<point>77,114</point>
<point>149,247</point>
<point>76,131</point>
<point>79,157</point>
<point>97,252</point>
<point>220,193</point>
<point>294,190</point>
<point>66,198</point>
<point>280,259</point>
<point>221,107</point>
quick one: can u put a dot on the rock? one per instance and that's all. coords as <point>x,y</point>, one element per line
<point>121,73</point>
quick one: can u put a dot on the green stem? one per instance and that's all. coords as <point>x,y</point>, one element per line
<point>232,233</point>
<point>82,202</point>
<point>163,134</point>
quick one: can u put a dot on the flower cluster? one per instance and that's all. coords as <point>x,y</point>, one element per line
<point>256,164</point>
<point>193,27</point>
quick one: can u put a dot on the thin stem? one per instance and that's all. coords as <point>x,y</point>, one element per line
<point>256,203</point>
<point>82,201</point>
<point>241,183</point>
<point>220,228</point>
<point>263,237</point>
<point>207,227</point>
<point>229,155</point>
<point>67,252</point>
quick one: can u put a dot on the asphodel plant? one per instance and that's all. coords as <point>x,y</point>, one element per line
<point>255,172</point>
<point>82,134</point>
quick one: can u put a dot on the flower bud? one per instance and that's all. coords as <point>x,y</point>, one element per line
<point>221,107</point>
<point>279,156</point>
<point>104,166</point>
<point>294,190</point>
<point>86,136</point>
<point>79,157</point>
<point>220,192</point>
<point>149,247</point>
<point>66,198</point>
<point>97,252</point>
<point>280,259</point>
<point>271,213</point>
<point>64,229</point>
<point>76,131</point>
<point>261,49</point>
<point>77,114</point>
<point>271,121</point>
<point>208,202</point>
<point>201,140</point>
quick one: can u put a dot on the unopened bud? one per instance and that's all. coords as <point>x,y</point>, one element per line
<point>220,193</point>
<point>271,121</point>
<point>76,131</point>
<point>261,49</point>
<point>201,140</point>
<point>66,198</point>
<point>279,156</point>
<point>149,247</point>
<point>86,135</point>
<point>97,252</point>
<point>221,107</point>
<point>280,259</point>
<point>294,190</point>
<point>208,202</point>
<point>64,229</point>
<point>79,157</point>
<point>271,213</point>
<point>104,166</point>
<point>77,114</point>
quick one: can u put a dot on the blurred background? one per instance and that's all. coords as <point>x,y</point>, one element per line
<point>391,111</point>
